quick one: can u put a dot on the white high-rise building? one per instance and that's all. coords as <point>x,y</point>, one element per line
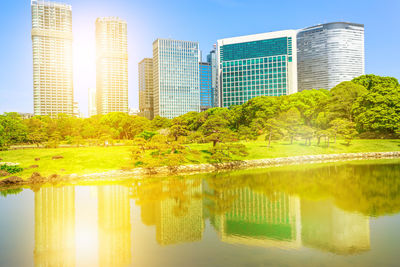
<point>176,77</point>
<point>52,58</point>
<point>329,54</point>
<point>111,65</point>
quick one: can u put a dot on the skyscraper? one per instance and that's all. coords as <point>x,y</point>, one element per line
<point>206,92</point>
<point>212,60</point>
<point>52,58</point>
<point>92,102</point>
<point>111,65</point>
<point>329,54</point>
<point>146,104</point>
<point>257,65</point>
<point>176,77</point>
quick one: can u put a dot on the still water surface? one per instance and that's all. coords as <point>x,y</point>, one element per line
<point>339,214</point>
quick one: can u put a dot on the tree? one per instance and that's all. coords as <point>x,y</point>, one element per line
<point>308,102</point>
<point>335,127</point>
<point>292,121</point>
<point>322,124</point>
<point>147,135</point>
<point>375,83</point>
<point>159,151</point>
<point>345,128</point>
<point>216,130</point>
<point>160,123</point>
<point>54,140</point>
<point>378,111</point>
<point>307,133</point>
<point>272,128</point>
<point>262,107</point>
<point>37,130</point>
<point>12,130</point>
<point>225,152</point>
<point>178,130</point>
<point>246,133</point>
<point>343,97</point>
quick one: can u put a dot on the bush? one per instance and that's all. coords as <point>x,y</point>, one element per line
<point>11,169</point>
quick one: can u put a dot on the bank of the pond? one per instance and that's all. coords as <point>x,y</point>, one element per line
<point>140,173</point>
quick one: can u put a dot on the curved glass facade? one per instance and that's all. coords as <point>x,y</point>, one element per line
<point>329,54</point>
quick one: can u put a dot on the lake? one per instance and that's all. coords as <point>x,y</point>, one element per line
<point>333,214</point>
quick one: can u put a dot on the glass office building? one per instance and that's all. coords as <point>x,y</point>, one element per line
<point>257,65</point>
<point>206,90</point>
<point>52,58</point>
<point>146,88</point>
<point>176,77</point>
<point>329,54</point>
<point>212,60</point>
<point>111,65</point>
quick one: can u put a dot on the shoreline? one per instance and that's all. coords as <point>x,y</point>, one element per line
<point>142,173</point>
<point>236,165</point>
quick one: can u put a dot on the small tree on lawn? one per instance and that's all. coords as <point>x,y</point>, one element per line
<point>272,128</point>
<point>292,122</point>
<point>216,130</point>
<point>307,133</point>
<point>225,152</point>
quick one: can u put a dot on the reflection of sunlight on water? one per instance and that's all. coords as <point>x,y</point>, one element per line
<point>86,238</point>
<point>86,226</point>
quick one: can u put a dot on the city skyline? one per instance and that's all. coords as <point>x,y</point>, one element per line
<point>143,32</point>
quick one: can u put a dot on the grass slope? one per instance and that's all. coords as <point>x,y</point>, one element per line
<point>99,159</point>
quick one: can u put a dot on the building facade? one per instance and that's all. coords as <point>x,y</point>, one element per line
<point>52,58</point>
<point>257,65</point>
<point>111,65</point>
<point>146,104</point>
<point>212,60</point>
<point>92,108</point>
<point>206,90</point>
<point>176,77</point>
<point>329,54</point>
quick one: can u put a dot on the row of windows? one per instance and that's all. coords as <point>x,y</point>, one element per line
<point>249,87</point>
<point>257,92</point>
<point>254,49</point>
<point>261,67</point>
<point>255,77</point>
<point>257,73</point>
<point>253,61</point>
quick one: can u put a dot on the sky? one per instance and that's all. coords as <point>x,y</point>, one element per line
<point>204,21</point>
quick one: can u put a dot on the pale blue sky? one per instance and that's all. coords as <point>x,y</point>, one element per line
<point>203,21</point>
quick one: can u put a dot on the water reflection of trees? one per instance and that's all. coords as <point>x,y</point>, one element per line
<point>372,190</point>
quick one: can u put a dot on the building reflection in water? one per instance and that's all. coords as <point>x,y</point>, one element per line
<point>55,226</point>
<point>175,207</point>
<point>114,224</point>
<point>256,219</point>
<point>328,228</point>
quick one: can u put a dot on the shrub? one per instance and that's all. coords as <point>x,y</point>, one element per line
<point>11,169</point>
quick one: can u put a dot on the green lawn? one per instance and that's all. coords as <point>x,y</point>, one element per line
<point>76,160</point>
<point>99,159</point>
